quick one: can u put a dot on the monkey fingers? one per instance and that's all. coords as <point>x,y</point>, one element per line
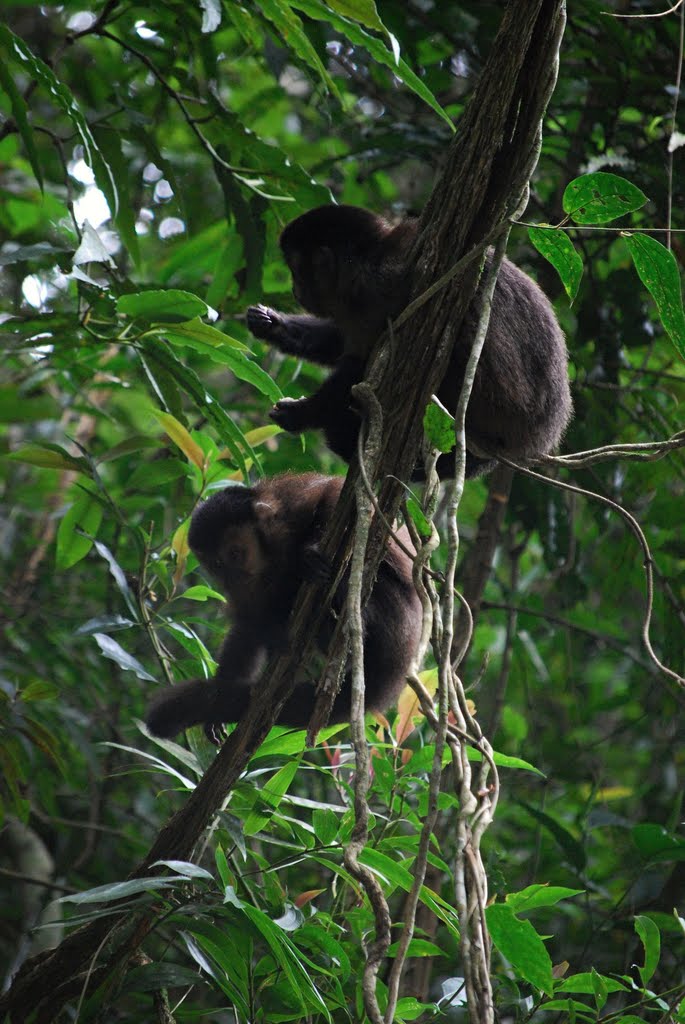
<point>264,323</point>
<point>292,414</point>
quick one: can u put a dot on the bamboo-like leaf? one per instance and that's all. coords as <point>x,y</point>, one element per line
<point>180,436</point>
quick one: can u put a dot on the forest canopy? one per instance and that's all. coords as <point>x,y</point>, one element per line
<point>151,156</point>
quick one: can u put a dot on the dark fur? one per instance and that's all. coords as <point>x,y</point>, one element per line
<point>350,269</point>
<point>260,543</point>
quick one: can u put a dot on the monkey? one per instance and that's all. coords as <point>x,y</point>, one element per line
<point>260,543</point>
<point>351,271</point>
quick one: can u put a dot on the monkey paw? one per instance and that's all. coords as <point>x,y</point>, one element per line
<point>263,322</point>
<point>288,414</point>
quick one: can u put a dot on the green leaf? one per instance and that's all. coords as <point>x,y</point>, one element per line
<point>521,945</point>
<point>539,896</point>
<point>40,690</point>
<point>37,69</point>
<point>658,271</point>
<point>418,518</point>
<point>19,108</point>
<point>49,456</point>
<point>322,12</point>
<point>109,144</point>
<point>363,11</point>
<point>169,306</point>
<point>558,249</point>
<point>655,843</point>
<point>286,957</point>
<point>202,593</point>
<point>185,868</point>
<point>206,338</point>
<point>84,515</point>
<point>326,824</point>
<point>583,984</point>
<point>291,33</point>
<point>115,652</point>
<point>271,794</point>
<point>238,362</point>
<point>438,425</point>
<point>650,937</point>
<point>600,197</point>
<point>119,577</point>
<point>229,433</point>
<point>120,890</point>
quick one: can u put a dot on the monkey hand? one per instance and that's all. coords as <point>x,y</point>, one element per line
<point>264,323</point>
<point>292,414</point>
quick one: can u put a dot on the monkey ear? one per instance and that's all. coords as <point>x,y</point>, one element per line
<point>324,262</point>
<point>265,512</point>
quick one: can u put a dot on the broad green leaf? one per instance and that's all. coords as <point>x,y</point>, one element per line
<point>196,332</point>
<point>18,52</point>
<point>326,824</point>
<point>539,896</point>
<point>202,593</point>
<point>658,271</point>
<point>650,937</point>
<point>572,1010</point>
<point>438,425</point>
<point>84,517</point>
<point>40,690</point>
<point>583,984</point>
<point>418,518</point>
<point>655,843</point>
<point>49,456</point>
<point>322,12</point>
<point>169,306</point>
<point>115,652</point>
<point>238,362</point>
<point>180,436</point>
<point>599,990</point>
<point>19,109</point>
<point>521,945</point>
<point>555,245</point>
<point>599,197</point>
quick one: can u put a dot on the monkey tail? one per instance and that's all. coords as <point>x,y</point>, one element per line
<point>180,707</point>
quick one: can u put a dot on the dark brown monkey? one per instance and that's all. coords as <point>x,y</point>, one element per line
<point>351,270</point>
<point>259,543</point>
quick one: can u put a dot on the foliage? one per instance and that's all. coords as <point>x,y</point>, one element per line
<point>152,156</point>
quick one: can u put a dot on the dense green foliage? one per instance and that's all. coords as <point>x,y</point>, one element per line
<point>151,155</point>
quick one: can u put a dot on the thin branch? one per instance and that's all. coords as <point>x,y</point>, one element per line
<point>636,530</point>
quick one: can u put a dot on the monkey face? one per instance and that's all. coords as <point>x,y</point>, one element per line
<point>314,279</point>
<point>237,560</point>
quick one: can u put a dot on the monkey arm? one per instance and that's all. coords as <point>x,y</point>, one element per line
<point>329,408</point>
<point>317,341</point>
<point>212,702</point>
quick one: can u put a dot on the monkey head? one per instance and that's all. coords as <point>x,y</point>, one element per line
<point>324,248</point>
<point>226,535</point>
